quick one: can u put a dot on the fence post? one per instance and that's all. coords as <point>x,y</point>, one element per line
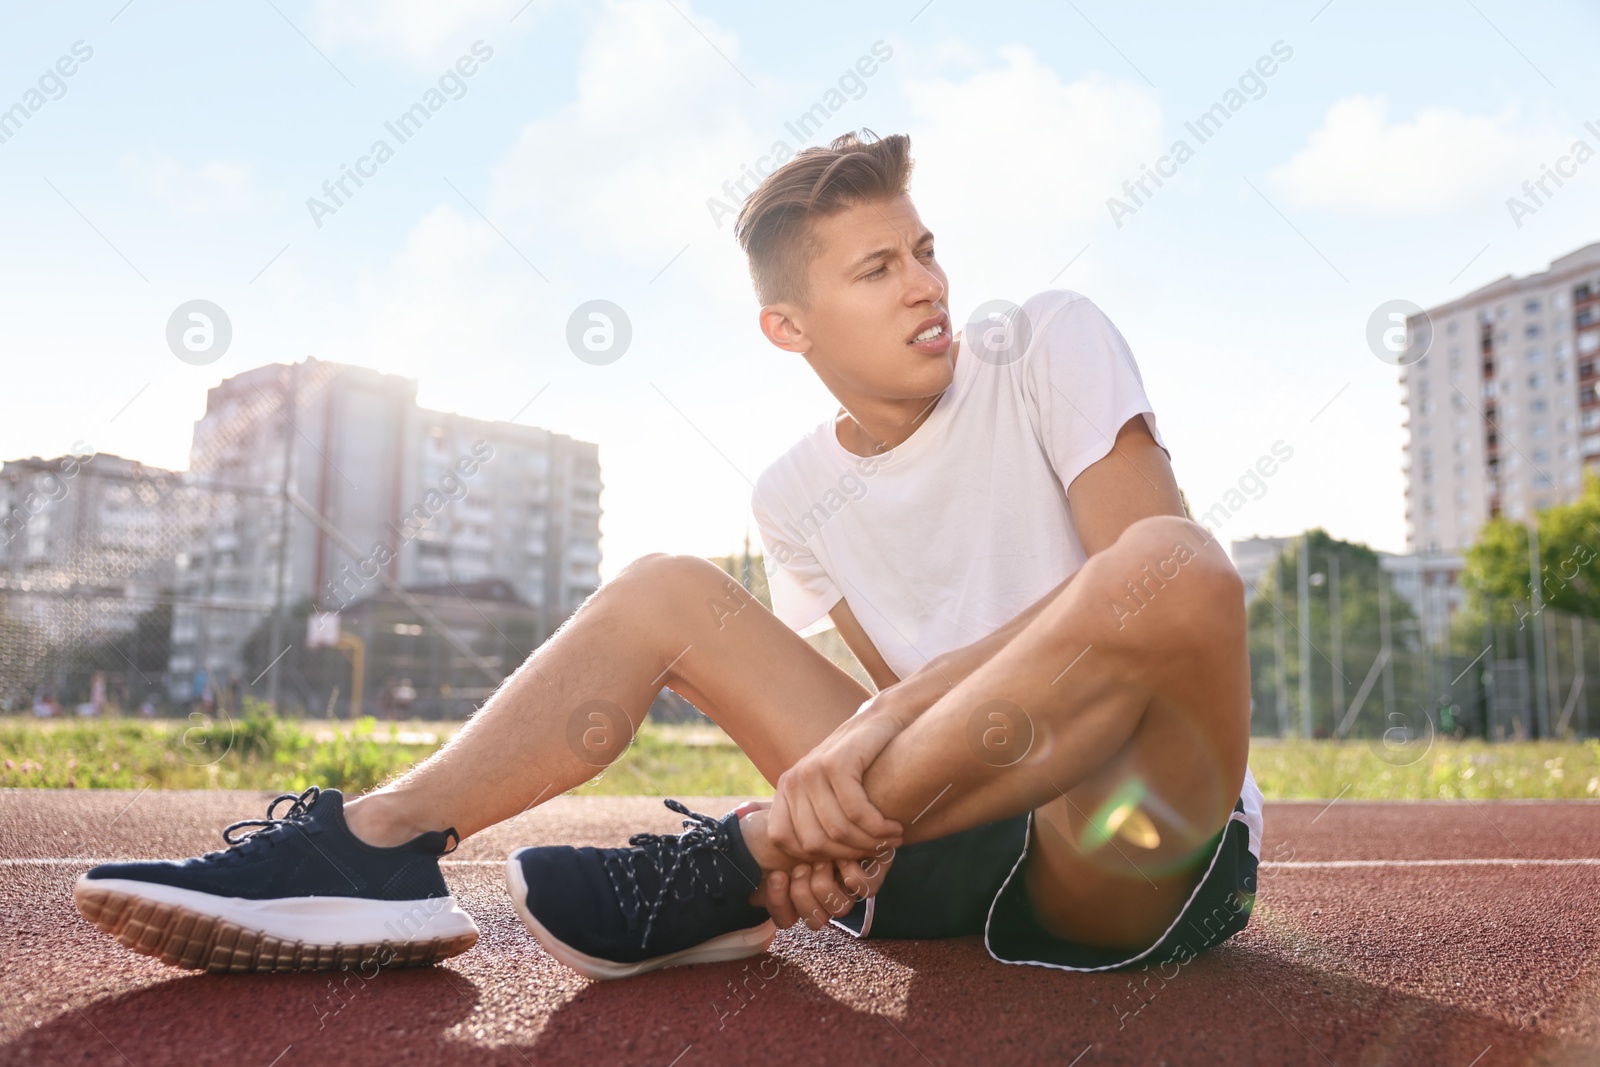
<point>1303,596</point>
<point>1336,622</point>
<point>1385,640</point>
<point>1524,710</point>
<point>1282,671</point>
<point>1540,669</point>
<point>1491,700</point>
<point>1552,685</point>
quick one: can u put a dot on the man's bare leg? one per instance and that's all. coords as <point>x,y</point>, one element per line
<point>1122,701</point>
<point>573,705</point>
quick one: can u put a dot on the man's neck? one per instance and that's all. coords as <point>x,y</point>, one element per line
<point>876,432</point>
<point>871,430</point>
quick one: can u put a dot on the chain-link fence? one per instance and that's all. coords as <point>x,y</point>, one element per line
<point>1388,678</point>
<point>450,547</point>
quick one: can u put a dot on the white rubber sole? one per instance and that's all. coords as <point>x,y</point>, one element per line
<point>186,928</point>
<point>738,945</point>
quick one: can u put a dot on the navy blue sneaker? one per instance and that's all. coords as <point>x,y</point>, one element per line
<point>668,900</point>
<point>297,892</point>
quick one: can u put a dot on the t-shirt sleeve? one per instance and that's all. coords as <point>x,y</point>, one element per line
<point>802,593</point>
<point>1080,382</point>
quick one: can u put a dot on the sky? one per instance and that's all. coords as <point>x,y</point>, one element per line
<point>579,151</point>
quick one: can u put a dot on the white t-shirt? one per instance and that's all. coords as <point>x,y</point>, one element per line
<point>950,535</point>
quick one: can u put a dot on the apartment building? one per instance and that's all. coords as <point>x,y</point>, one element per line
<point>85,528</point>
<point>83,552</point>
<point>1503,412</point>
<point>332,480</point>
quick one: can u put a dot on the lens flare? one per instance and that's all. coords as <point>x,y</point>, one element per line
<point>1120,817</point>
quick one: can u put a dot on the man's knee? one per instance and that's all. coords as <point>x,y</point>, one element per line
<point>674,579</point>
<point>1173,573</point>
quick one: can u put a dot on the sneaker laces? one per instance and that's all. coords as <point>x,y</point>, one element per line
<point>667,853</point>
<point>270,828</point>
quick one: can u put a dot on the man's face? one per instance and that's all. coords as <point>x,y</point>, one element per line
<point>874,286</point>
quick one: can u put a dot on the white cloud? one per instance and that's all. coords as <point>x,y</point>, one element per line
<point>1361,162</point>
<point>600,195</point>
<point>212,187</point>
<point>1014,166</point>
<point>626,174</point>
<point>420,30</point>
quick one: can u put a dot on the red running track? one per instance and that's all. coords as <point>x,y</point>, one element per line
<point>1380,936</point>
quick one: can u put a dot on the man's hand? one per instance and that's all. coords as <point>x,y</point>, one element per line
<point>815,893</point>
<point>821,812</point>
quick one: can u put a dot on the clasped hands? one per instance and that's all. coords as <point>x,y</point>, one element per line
<point>824,845</point>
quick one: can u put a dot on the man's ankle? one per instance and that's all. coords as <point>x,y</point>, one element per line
<point>380,820</point>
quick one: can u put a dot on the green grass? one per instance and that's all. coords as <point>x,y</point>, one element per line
<point>259,752</point>
<point>1444,770</point>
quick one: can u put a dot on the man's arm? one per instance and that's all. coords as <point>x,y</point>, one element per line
<point>1132,481</point>
<point>821,810</point>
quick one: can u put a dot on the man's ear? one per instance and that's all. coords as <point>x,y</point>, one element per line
<point>779,323</point>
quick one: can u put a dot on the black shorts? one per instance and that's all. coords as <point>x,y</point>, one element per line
<point>983,893</point>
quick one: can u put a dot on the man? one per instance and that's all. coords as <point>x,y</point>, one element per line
<point>1055,757</point>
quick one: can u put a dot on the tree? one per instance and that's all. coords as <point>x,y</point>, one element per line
<point>1273,626</point>
<point>1498,577</point>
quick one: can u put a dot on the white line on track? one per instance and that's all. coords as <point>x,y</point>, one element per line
<point>1334,865</point>
<point>1280,865</point>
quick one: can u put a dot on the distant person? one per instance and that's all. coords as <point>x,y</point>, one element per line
<point>1055,758</point>
<point>43,706</point>
<point>404,695</point>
